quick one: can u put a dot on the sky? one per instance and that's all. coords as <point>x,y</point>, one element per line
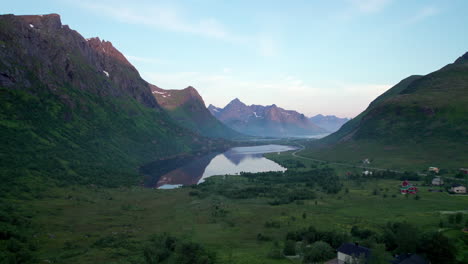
<point>317,57</point>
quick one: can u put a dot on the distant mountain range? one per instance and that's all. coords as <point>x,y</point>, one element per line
<point>258,120</point>
<point>188,109</point>
<point>421,121</point>
<point>330,123</point>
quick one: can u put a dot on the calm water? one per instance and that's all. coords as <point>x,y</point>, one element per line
<point>168,174</point>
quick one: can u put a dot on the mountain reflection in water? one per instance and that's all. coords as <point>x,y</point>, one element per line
<point>167,174</point>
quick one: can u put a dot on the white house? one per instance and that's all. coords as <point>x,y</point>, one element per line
<point>457,188</point>
<point>349,253</point>
<point>437,181</point>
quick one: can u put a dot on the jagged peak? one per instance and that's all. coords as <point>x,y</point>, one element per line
<point>236,101</point>
<point>107,48</point>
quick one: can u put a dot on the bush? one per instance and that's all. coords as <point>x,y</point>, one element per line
<point>318,252</point>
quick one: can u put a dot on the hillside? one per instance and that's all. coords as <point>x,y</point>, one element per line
<point>420,121</point>
<point>188,109</point>
<point>74,110</point>
<point>270,121</point>
<point>330,123</point>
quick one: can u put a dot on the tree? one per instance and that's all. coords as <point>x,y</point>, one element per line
<point>317,252</point>
<point>407,238</point>
<point>438,248</point>
<point>192,253</point>
<point>289,248</point>
<point>379,255</point>
<point>458,218</point>
<point>158,248</point>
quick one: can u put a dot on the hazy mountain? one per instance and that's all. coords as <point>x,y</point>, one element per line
<point>75,109</point>
<point>420,121</point>
<point>188,109</point>
<point>329,122</point>
<point>258,120</point>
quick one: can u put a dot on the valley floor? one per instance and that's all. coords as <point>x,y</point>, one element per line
<point>99,225</point>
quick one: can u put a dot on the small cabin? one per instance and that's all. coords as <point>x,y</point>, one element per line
<point>464,171</point>
<point>457,188</point>
<point>367,173</point>
<point>407,188</point>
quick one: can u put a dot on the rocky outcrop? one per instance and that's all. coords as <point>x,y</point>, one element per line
<point>60,56</point>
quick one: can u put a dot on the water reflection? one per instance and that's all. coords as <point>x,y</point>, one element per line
<point>167,174</point>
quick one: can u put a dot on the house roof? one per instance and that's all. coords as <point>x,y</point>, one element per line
<point>409,259</point>
<point>353,250</point>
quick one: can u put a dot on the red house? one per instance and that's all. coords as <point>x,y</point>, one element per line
<point>407,187</point>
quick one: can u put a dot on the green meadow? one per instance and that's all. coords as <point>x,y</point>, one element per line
<point>85,224</point>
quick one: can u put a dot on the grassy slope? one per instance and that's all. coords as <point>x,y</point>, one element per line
<point>420,122</point>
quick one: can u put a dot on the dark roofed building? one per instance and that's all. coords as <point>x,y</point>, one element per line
<point>409,259</point>
<point>352,253</point>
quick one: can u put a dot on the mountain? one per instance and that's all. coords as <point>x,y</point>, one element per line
<point>258,120</point>
<point>188,109</point>
<point>421,121</point>
<point>74,110</point>
<point>329,122</point>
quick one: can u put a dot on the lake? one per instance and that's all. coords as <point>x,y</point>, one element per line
<point>169,174</point>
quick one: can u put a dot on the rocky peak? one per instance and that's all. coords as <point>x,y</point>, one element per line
<point>107,48</point>
<point>46,22</point>
<point>463,59</point>
<point>236,102</point>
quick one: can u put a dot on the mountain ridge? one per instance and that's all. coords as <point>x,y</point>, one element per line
<point>258,120</point>
<point>422,119</point>
<point>188,109</point>
<point>329,122</point>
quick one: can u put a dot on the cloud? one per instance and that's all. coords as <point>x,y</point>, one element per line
<point>422,14</point>
<point>173,18</point>
<point>162,17</point>
<point>369,6</point>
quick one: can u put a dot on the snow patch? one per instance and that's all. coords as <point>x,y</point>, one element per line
<point>31,25</point>
<point>158,92</point>
<point>106,73</point>
<point>257,116</point>
<point>216,110</point>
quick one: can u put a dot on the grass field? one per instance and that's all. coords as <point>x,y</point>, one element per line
<point>104,225</point>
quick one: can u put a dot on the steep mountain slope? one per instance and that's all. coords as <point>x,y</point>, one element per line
<point>76,110</point>
<point>257,120</point>
<point>188,109</point>
<point>329,122</point>
<point>420,121</point>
